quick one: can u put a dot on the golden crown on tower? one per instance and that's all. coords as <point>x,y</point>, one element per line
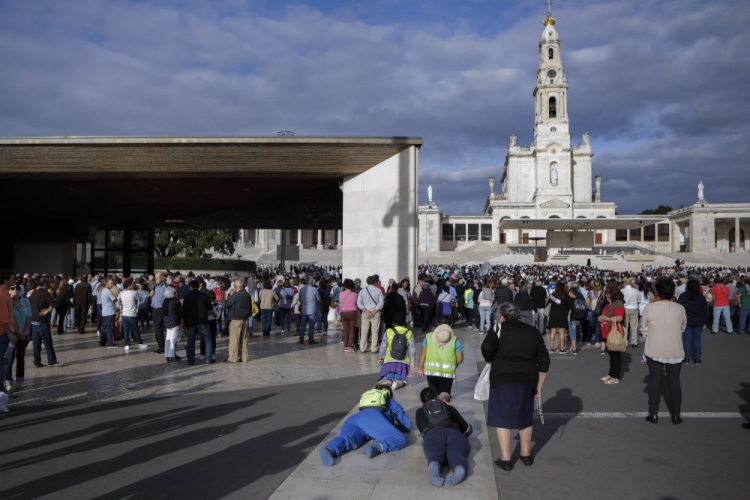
<point>549,20</point>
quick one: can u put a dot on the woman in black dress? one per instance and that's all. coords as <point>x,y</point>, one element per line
<point>562,304</point>
<point>393,304</point>
<point>520,362</point>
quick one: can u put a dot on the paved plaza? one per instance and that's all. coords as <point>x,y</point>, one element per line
<point>115,425</point>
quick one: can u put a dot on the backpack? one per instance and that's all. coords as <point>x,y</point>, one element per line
<point>438,414</point>
<point>399,345</point>
<point>325,297</point>
<point>374,399</point>
<point>580,311</point>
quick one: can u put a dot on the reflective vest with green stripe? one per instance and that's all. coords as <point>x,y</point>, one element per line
<point>389,335</point>
<point>440,362</point>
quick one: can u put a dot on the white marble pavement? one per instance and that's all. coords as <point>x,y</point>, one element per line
<point>402,475</point>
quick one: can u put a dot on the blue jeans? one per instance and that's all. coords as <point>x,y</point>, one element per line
<point>107,329</point>
<point>744,316</point>
<point>484,318</point>
<point>40,334</point>
<point>266,320</point>
<point>130,324</point>
<point>321,321</point>
<point>595,328</point>
<point>308,320</point>
<point>4,343</point>
<point>718,311</point>
<point>573,329</point>
<point>691,339</point>
<point>205,332</point>
<point>286,319</point>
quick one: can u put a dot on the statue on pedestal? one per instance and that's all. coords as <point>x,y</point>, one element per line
<point>700,190</point>
<point>429,194</point>
<point>492,185</point>
<point>512,141</point>
<point>598,182</point>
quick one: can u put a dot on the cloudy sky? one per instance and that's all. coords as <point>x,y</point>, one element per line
<point>662,86</point>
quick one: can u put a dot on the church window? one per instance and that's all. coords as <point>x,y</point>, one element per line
<point>553,129</point>
<point>551,53</point>
<point>552,107</point>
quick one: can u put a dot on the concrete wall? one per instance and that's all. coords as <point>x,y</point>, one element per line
<point>44,257</point>
<point>380,219</point>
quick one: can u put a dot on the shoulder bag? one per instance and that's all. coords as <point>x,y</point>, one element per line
<point>482,389</point>
<point>616,338</point>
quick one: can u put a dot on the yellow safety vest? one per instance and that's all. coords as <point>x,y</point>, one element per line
<point>390,334</point>
<point>440,362</point>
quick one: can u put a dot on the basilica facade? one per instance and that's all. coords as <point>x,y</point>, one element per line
<point>553,179</point>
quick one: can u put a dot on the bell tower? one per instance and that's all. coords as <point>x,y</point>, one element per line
<point>551,123</point>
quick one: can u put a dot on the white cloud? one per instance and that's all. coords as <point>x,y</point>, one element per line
<point>665,81</point>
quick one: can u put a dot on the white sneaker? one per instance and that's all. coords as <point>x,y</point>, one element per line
<point>142,346</point>
<point>127,347</point>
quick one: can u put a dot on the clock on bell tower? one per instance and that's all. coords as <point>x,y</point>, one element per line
<point>551,91</point>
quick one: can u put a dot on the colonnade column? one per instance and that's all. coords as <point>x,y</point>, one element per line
<point>299,238</point>
<point>737,234</point>
<point>339,240</point>
<point>320,239</point>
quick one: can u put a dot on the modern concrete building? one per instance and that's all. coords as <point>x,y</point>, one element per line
<point>94,202</point>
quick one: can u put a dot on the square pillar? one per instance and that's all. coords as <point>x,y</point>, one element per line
<point>380,219</point>
<point>299,238</point>
<point>339,240</point>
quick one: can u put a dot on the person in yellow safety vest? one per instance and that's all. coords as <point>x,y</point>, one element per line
<point>397,352</point>
<point>442,352</point>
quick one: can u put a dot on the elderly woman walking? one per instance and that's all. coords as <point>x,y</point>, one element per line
<point>520,362</point>
<point>172,310</point>
<point>663,324</point>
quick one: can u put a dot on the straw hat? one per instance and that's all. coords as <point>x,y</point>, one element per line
<point>442,335</point>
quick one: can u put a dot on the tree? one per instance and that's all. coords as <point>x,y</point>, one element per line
<point>660,210</point>
<point>194,242</point>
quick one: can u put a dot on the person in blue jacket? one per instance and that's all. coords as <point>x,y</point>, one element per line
<point>380,419</point>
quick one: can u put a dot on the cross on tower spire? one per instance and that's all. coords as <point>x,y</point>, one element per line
<point>549,6</point>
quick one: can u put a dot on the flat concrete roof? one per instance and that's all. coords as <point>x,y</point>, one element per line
<point>241,182</point>
<point>579,224</point>
<point>198,156</point>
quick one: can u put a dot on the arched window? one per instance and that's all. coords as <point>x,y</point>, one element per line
<point>551,53</point>
<point>552,107</point>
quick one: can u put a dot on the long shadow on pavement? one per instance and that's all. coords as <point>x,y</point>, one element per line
<point>562,402</point>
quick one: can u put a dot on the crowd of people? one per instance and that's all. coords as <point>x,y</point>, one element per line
<point>526,314</point>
